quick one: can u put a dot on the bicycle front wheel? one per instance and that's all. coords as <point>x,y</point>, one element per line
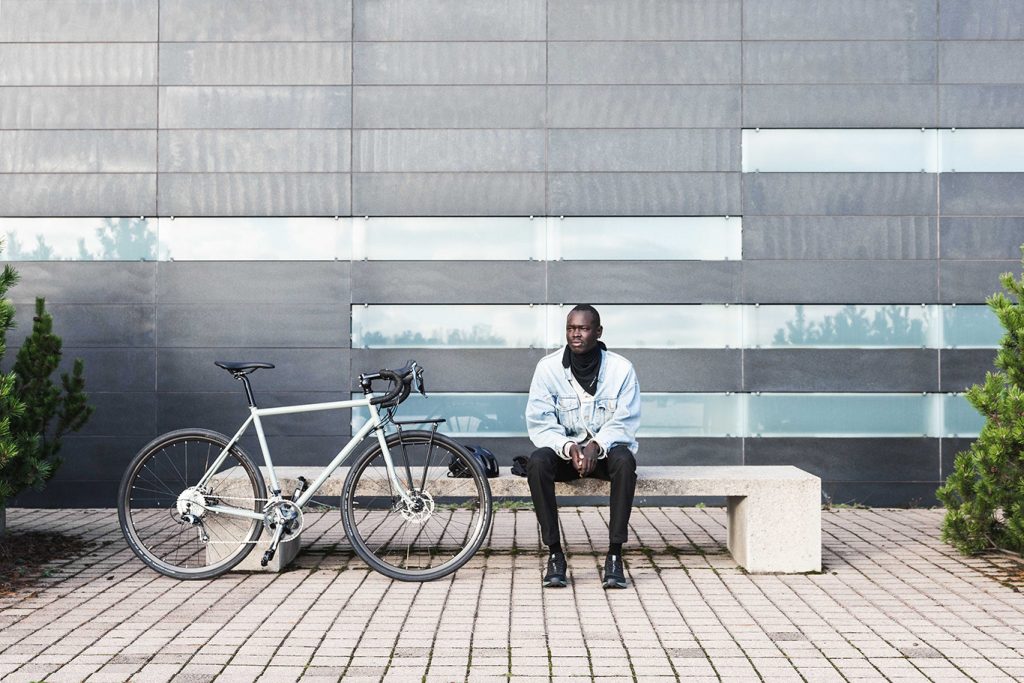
<point>164,515</point>
<point>444,525</point>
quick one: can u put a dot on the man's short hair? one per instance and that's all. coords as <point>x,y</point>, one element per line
<point>587,308</point>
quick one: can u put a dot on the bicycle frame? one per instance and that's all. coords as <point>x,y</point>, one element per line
<point>254,418</point>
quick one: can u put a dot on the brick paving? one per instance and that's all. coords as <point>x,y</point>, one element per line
<point>893,603</point>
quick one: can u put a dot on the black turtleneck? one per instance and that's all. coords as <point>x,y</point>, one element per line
<point>585,366</point>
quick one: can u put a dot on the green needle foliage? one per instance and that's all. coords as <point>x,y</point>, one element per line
<point>984,495</point>
<point>35,413</point>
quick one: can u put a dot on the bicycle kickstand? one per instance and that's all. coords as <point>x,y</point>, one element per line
<point>274,542</point>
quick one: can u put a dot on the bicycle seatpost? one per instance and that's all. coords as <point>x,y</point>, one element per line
<point>241,376</point>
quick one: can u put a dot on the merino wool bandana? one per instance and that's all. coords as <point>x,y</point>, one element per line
<point>585,366</point>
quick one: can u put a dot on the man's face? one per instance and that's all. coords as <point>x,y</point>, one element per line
<point>581,334</point>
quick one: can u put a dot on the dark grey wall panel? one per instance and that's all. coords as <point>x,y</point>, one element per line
<point>643,20</point>
<point>78,107</point>
<point>91,458</point>
<point>839,62</point>
<point>449,20</point>
<point>77,194</point>
<point>452,106</point>
<point>838,106</point>
<point>839,19</point>
<point>81,282</point>
<point>982,238</point>
<point>113,369</point>
<point>254,283</point>
<point>982,194</point>
<point>448,194</point>
<point>950,449</point>
<point>979,106</point>
<point>643,106</point>
<point>840,281</point>
<point>963,368</point>
<point>269,106</point>
<point>971,282</point>
<point>256,63</point>
<point>880,494</point>
<point>840,237</point>
<point>895,370</point>
<point>644,150</point>
<point>831,194</point>
<point>225,412</point>
<point>256,20</point>
<point>648,281</point>
<point>77,63</point>
<point>102,325</point>
<point>619,63</point>
<point>254,194</point>
<point>694,451</point>
<point>453,151</point>
<point>465,282</point>
<point>686,369</point>
<point>644,194</point>
<point>504,370</point>
<point>449,63</point>
<point>266,325</point>
<point>77,493</point>
<point>78,151</point>
<point>121,414</point>
<point>981,62</point>
<point>298,369</point>
<point>911,459</point>
<point>976,19</point>
<point>101,20</point>
<point>255,151</point>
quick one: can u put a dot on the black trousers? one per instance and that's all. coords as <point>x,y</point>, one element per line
<point>546,467</point>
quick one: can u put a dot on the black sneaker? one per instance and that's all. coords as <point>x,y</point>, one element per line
<point>555,578</point>
<point>614,573</point>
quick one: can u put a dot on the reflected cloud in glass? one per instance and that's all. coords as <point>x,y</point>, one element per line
<point>625,238</point>
<point>463,326</point>
<point>79,239</point>
<point>981,150</point>
<point>852,150</point>
<point>427,239</point>
<point>255,239</point>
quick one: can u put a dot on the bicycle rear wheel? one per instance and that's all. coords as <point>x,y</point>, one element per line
<point>164,516</point>
<point>447,522</point>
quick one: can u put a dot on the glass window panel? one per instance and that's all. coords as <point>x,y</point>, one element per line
<point>849,326</point>
<point>78,239</point>
<point>848,150</point>
<point>841,415</point>
<point>707,238</point>
<point>982,150</point>
<point>696,415</point>
<point>469,326</point>
<point>653,326</point>
<point>255,239</point>
<point>425,239</point>
<point>970,327</point>
<point>471,414</point>
<point>959,416</point>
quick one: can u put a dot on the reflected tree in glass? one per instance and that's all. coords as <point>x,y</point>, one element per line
<point>853,326</point>
<point>41,252</point>
<point>122,239</point>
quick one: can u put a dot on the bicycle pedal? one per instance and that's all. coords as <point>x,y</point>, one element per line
<point>267,557</point>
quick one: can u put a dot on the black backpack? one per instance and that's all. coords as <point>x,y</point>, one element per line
<point>484,458</point>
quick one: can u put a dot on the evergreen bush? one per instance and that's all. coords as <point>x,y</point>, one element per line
<point>984,495</point>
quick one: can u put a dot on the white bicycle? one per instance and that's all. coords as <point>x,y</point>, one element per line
<point>415,504</point>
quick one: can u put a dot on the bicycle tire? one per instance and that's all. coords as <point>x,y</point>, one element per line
<point>150,515</point>
<point>424,544</point>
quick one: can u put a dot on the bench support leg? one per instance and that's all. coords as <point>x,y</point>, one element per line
<point>777,531</point>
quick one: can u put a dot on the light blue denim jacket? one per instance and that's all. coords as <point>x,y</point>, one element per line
<point>554,415</point>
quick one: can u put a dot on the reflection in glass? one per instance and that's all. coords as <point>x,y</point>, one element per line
<point>426,239</point>
<point>845,151</point>
<point>667,327</point>
<point>79,239</point>
<point>982,150</point>
<point>849,326</point>
<point>970,327</point>
<point>959,417</point>
<point>841,415</point>
<point>476,414</point>
<point>690,415</point>
<point>255,239</point>
<point>623,238</point>
<point>467,326</point>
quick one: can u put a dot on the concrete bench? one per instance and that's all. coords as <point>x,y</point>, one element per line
<point>774,512</point>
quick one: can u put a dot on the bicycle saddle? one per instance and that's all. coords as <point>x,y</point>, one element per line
<point>241,366</point>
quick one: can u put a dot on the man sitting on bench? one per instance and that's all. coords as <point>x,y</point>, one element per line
<point>582,415</point>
